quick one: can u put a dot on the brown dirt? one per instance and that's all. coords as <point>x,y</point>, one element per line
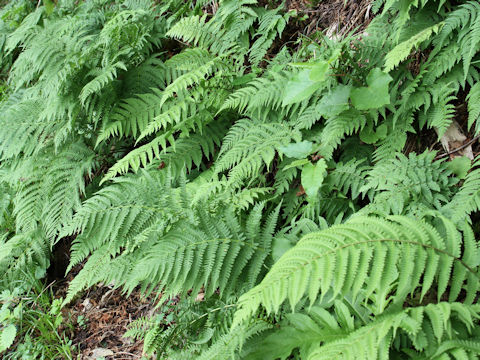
<point>333,16</point>
<point>100,318</point>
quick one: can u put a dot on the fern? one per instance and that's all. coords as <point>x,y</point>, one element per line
<point>431,320</point>
<point>413,180</point>
<point>473,107</point>
<point>248,146</point>
<point>52,190</point>
<point>321,334</point>
<point>402,50</point>
<point>199,147</point>
<point>466,200</point>
<point>365,254</point>
<point>148,240</point>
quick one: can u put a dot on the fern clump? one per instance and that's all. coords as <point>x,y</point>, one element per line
<point>203,151</point>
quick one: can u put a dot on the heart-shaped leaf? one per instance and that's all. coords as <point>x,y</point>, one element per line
<point>376,94</point>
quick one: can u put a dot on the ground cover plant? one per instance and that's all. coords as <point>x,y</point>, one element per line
<point>281,192</point>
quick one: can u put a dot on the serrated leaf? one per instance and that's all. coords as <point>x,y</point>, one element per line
<point>7,337</point>
<point>298,150</point>
<point>312,176</point>
<point>376,94</point>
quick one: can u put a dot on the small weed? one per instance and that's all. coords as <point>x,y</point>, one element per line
<point>32,325</point>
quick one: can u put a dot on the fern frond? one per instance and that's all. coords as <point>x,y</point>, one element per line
<point>51,191</point>
<point>346,123</point>
<point>249,145</point>
<point>365,254</point>
<point>474,106</point>
<point>418,179</point>
<point>22,255</point>
<point>101,79</point>
<point>441,114</point>
<point>403,50</point>
<point>154,240</point>
<point>350,176</point>
<point>467,199</point>
<point>373,340</point>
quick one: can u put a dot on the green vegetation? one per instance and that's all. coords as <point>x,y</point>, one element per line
<point>183,149</point>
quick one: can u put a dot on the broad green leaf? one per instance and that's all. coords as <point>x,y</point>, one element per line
<point>376,94</point>
<point>305,83</point>
<point>298,150</point>
<point>312,176</point>
<point>460,166</point>
<point>370,136</point>
<point>7,337</point>
<point>319,71</point>
<point>334,102</point>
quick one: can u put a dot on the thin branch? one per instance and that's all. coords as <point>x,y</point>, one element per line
<point>458,149</point>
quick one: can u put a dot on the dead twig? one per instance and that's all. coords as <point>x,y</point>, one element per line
<point>459,148</point>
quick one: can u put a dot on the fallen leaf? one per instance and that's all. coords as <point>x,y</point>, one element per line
<point>100,352</point>
<point>454,138</point>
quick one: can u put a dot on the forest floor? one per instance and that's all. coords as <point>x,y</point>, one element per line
<point>100,317</point>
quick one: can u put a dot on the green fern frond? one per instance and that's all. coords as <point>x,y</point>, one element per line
<point>367,255</point>
<point>461,17</point>
<point>51,191</point>
<point>261,93</point>
<point>346,123</point>
<point>418,178</point>
<point>349,177</point>
<point>249,146</point>
<point>101,79</point>
<point>467,199</point>
<point>403,50</point>
<point>373,340</point>
<point>229,343</point>
<point>474,106</point>
<point>441,113</point>
<point>23,255</point>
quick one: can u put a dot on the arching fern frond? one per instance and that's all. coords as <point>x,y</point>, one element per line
<point>369,255</point>
<point>434,322</point>
<point>156,239</point>
<point>474,107</point>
